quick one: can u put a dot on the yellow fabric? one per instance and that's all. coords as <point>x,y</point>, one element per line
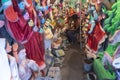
<point>31,23</point>
<point>36,1</point>
<point>48,33</point>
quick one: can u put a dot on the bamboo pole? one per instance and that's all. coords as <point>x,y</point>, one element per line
<point>80,25</point>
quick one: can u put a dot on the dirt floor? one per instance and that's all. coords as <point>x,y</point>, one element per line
<point>73,64</point>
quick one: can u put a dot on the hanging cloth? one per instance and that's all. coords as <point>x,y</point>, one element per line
<point>97,36</point>
<point>5,73</point>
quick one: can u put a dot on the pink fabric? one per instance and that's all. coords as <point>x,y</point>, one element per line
<point>24,34</point>
<point>60,5</point>
<point>26,16</point>
<point>40,13</point>
<point>1,23</point>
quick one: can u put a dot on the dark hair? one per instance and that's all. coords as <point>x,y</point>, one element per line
<point>11,52</point>
<point>5,43</point>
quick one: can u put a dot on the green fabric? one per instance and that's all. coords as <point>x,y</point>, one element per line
<point>101,55</point>
<point>104,10</point>
<point>99,69</point>
<point>110,12</point>
<point>110,49</point>
<point>111,29</point>
<point>72,3</point>
<point>113,21</point>
<point>101,72</point>
<point>114,6</point>
<point>83,1</point>
<point>114,26</point>
<point>118,27</point>
<point>118,4</point>
<point>107,21</point>
<point>91,18</point>
<point>41,30</point>
<point>106,26</point>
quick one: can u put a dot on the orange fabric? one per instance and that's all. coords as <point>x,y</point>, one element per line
<point>10,14</point>
<point>29,2</point>
<point>72,12</point>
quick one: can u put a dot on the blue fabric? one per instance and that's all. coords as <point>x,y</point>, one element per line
<point>2,17</point>
<point>41,30</point>
<point>48,44</point>
<point>93,12</point>
<point>43,21</point>
<point>3,1</point>
<point>21,5</point>
<point>95,15</point>
<point>41,8</point>
<point>5,5</point>
<point>1,8</point>
<point>92,27</point>
<point>93,8</point>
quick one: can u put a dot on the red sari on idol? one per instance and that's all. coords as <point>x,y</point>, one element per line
<point>97,36</point>
<point>23,33</point>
